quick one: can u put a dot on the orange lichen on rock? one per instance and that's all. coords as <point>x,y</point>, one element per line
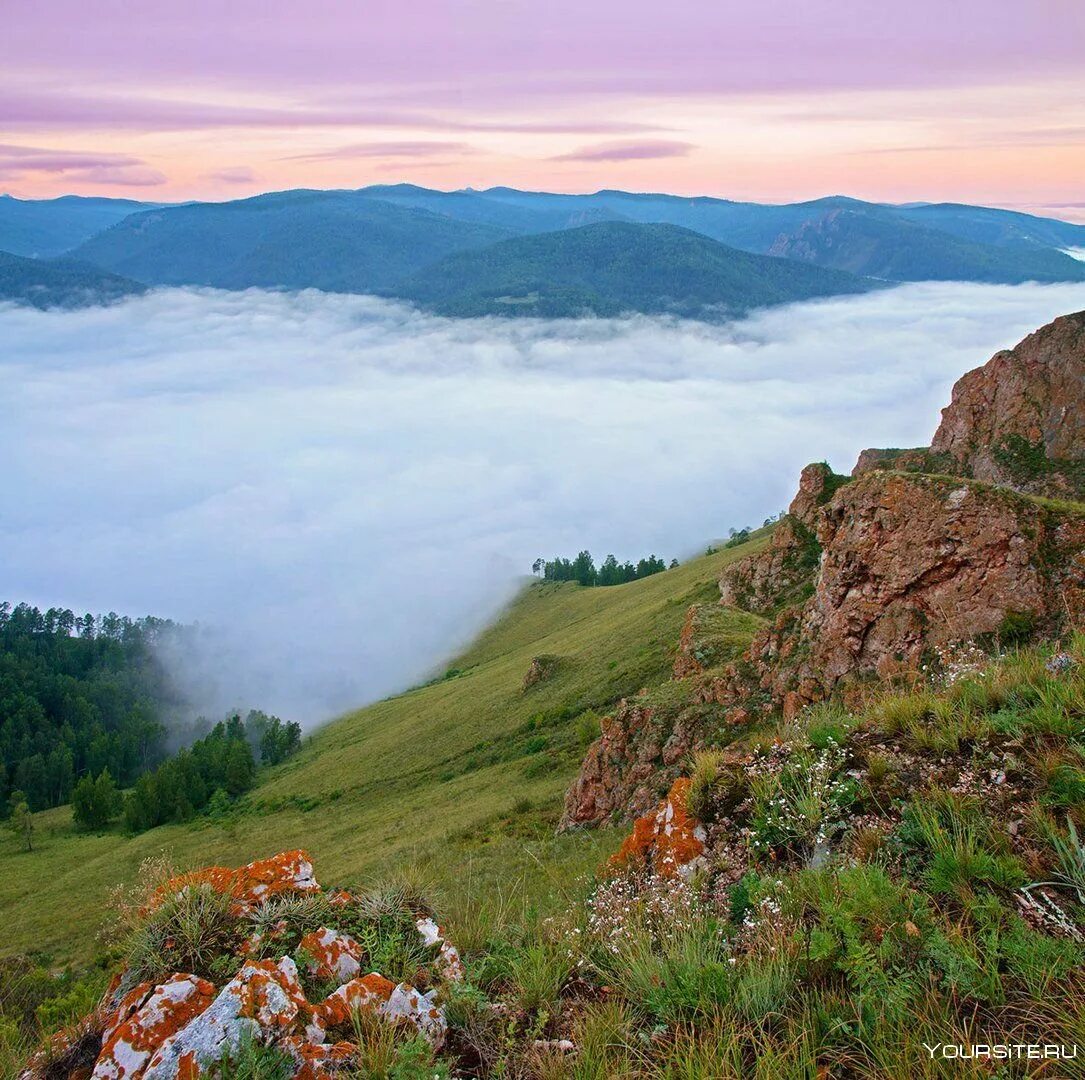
<point>252,884</point>
<point>368,992</point>
<point>332,955</point>
<point>318,1061</point>
<point>669,841</point>
<point>145,1019</point>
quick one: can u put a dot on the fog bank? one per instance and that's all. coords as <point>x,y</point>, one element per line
<point>343,490</point>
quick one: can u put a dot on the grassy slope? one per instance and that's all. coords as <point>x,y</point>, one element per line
<point>449,777</point>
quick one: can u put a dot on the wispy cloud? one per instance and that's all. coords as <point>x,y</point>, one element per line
<point>232,174</point>
<point>42,110</point>
<point>88,167</point>
<point>347,488</point>
<point>402,149</point>
<point>628,151</point>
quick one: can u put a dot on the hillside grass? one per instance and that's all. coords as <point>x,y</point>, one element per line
<point>462,779</point>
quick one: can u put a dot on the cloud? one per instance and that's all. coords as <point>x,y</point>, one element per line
<point>628,151</point>
<point>402,149</point>
<point>42,110</point>
<point>82,166</point>
<point>343,490</point>
<point>232,174</point>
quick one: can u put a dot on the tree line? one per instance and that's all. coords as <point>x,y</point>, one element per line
<point>583,570</point>
<point>79,694</point>
<point>206,777</point>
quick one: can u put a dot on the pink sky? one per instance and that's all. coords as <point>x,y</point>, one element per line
<point>972,100</point>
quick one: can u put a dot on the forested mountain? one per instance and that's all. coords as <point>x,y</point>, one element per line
<point>339,241</point>
<point>614,267</point>
<point>895,250</point>
<point>60,283</point>
<point>45,227</point>
<point>472,252</point>
<point>78,694</point>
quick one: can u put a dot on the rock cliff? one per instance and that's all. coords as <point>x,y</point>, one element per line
<point>865,578</point>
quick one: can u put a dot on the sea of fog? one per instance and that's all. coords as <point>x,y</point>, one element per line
<point>342,491</point>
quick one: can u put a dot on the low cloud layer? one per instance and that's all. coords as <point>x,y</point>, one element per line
<point>343,490</point>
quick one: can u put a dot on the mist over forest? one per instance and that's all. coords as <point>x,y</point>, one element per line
<point>341,490</point>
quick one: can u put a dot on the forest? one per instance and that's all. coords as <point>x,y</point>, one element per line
<point>87,709</point>
<point>79,695</point>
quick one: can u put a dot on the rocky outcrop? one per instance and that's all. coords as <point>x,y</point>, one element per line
<point>910,562</point>
<point>924,548</point>
<point>1018,421</point>
<point>784,572</point>
<point>182,1026</point>
<point>616,774</point>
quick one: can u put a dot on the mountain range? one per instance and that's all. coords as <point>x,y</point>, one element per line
<point>509,252</point>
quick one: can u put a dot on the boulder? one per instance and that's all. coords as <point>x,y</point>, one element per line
<point>669,842</point>
<point>145,1019</point>
<point>254,883</point>
<point>332,955</point>
<point>262,1002</point>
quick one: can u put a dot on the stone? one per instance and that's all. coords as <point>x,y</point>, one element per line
<point>253,884</point>
<point>332,955</point>
<point>670,841</point>
<point>148,1016</point>
<point>263,1001</point>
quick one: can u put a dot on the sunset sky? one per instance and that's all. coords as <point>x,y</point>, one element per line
<point>969,100</point>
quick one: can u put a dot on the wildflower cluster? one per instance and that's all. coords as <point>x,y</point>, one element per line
<point>800,809</point>
<point>1060,663</point>
<point>644,905</point>
<point>954,661</point>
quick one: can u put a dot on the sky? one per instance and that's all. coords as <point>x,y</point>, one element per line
<point>342,490</point>
<point>773,100</point>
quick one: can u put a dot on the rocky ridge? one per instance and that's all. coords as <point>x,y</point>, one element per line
<point>865,577</point>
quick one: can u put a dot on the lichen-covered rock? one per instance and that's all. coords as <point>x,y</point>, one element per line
<point>448,957</point>
<point>254,883</point>
<point>145,1019</point>
<point>670,841</point>
<point>332,955</point>
<point>395,1003</point>
<point>318,1061</point>
<point>263,1001</point>
<point>368,992</point>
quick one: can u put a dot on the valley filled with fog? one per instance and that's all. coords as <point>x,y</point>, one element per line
<point>342,490</point>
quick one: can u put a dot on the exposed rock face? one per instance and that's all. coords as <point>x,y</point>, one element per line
<point>862,577</point>
<point>1018,421</point>
<point>669,841</point>
<point>783,573</point>
<point>616,769</point>
<point>1034,392</point>
<point>913,561</point>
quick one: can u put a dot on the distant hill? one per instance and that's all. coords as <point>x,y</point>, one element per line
<point>891,248</point>
<point>403,240</point>
<point>63,283</point>
<point>613,267</point>
<point>45,227</point>
<point>339,241</point>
